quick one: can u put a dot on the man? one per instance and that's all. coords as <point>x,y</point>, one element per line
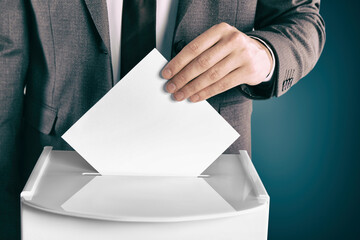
<point>57,59</point>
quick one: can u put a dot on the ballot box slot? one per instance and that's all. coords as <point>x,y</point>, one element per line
<point>137,175</point>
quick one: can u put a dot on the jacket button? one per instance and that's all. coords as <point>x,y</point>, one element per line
<point>103,49</point>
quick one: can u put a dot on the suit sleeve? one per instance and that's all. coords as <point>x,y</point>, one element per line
<point>296,33</point>
<point>13,65</point>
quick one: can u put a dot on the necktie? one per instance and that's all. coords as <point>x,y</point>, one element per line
<point>138,32</point>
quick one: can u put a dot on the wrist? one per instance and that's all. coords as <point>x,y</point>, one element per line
<point>270,56</point>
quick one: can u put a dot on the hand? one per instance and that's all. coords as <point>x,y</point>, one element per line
<point>219,59</point>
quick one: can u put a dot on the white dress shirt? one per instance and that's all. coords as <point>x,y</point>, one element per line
<point>166,11</point>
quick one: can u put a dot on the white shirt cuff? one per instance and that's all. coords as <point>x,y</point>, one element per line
<point>269,76</point>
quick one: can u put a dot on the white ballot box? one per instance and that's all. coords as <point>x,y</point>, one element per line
<point>65,198</point>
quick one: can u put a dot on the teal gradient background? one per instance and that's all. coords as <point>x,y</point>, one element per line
<point>306,144</point>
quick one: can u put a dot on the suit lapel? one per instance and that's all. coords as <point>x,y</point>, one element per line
<point>99,15</point>
<point>183,6</point>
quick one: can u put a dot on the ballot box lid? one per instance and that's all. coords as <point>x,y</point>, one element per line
<point>62,182</point>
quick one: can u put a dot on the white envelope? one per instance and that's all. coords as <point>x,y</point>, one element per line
<point>138,129</point>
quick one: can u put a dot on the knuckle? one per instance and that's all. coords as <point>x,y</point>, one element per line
<point>175,64</point>
<point>236,37</point>
<point>203,94</point>
<point>203,61</point>
<point>181,79</point>
<point>214,74</point>
<point>194,47</point>
<point>225,26</point>
<point>222,86</point>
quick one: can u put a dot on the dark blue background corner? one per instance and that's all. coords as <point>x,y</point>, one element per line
<point>306,144</point>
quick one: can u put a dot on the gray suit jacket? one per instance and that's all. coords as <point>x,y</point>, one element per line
<point>60,50</point>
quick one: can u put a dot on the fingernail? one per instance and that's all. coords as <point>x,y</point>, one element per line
<point>179,96</point>
<point>171,87</point>
<point>194,98</point>
<point>167,73</point>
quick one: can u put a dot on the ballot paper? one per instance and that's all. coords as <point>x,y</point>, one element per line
<point>137,128</point>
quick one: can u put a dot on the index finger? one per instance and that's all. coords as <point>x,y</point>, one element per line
<point>192,50</point>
